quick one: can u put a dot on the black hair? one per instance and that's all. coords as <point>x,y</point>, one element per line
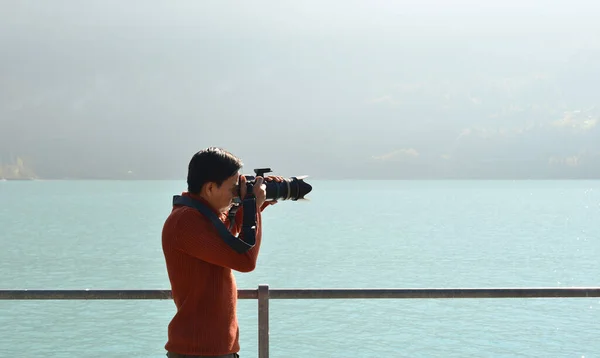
<point>211,165</point>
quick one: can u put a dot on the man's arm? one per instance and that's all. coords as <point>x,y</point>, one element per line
<point>198,238</point>
<point>267,203</point>
<point>239,217</point>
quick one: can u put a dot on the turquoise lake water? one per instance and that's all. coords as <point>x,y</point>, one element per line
<point>352,234</point>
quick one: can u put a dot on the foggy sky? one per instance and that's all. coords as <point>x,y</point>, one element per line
<point>335,89</point>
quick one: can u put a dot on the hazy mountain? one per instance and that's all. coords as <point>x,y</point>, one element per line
<point>104,89</point>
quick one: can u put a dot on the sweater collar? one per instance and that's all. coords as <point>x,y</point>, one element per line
<point>202,200</point>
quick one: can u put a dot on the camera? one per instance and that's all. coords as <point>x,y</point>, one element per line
<point>294,188</point>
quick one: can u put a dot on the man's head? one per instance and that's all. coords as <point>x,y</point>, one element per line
<point>213,174</point>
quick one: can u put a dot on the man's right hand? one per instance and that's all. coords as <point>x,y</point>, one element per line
<point>260,191</point>
<point>242,187</point>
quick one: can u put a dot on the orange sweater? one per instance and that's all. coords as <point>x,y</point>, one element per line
<point>199,265</point>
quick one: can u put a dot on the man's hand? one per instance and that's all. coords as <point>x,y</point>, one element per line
<point>242,185</point>
<point>273,178</point>
<point>260,191</point>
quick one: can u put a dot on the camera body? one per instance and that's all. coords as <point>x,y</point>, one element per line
<point>293,188</point>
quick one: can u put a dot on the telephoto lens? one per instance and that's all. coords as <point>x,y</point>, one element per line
<point>294,188</point>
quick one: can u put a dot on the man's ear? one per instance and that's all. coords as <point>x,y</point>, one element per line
<point>209,188</point>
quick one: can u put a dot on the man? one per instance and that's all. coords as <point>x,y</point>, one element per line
<point>200,257</point>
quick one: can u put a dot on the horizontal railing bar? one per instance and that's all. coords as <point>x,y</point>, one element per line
<point>306,293</point>
<point>100,294</point>
<point>541,292</point>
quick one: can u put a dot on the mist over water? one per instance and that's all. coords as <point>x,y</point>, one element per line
<point>379,90</point>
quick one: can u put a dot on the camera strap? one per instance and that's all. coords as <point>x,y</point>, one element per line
<point>248,222</point>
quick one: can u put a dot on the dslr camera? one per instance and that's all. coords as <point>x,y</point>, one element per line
<point>294,188</point>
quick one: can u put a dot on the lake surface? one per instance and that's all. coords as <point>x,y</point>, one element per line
<point>352,234</point>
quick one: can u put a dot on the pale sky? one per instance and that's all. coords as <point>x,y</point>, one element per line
<point>332,89</point>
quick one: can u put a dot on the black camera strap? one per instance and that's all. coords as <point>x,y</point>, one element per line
<point>248,222</point>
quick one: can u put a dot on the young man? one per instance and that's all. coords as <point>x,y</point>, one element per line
<point>200,254</point>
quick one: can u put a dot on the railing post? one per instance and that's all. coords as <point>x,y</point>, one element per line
<point>263,321</point>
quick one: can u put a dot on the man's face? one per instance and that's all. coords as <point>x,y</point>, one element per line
<point>222,197</point>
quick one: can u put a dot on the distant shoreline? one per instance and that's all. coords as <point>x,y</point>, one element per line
<point>314,179</point>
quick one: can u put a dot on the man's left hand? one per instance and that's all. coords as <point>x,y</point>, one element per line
<point>275,178</point>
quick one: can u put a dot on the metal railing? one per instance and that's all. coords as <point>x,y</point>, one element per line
<point>263,294</point>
